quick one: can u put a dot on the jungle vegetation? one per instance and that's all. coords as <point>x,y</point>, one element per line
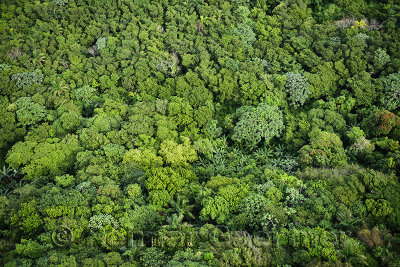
<point>199,133</point>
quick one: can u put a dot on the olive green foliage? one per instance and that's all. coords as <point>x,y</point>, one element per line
<point>167,182</point>
<point>101,43</point>
<point>225,198</point>
<point>199,133</point>
<point>68,122</point>
<point>152,257</point>
<point>102,220</point>
<point>87,97</point>
<point>360,145</point>
<point>26,217</point>
<point>178,154</point>
<point>30,249</point>
<point>316,241</point>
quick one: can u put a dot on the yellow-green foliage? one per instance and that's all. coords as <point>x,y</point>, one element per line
<point>176,154</point>
<point>228,194</point>
<point>51,157</point>
<point>359,24</point>
<point>26,218</point>
<point>164,183</point>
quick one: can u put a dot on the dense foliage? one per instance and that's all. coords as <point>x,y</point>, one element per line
<point>199,133</point>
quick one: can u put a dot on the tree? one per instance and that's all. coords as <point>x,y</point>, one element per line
<point>101,43</point>
<point>27,78</point>
<point>380,122</point>
<point>60,2</point>
<point>317,241</point>
<point>87,97</point>
<point>378,208</point>
<point>257,123</point>
<point>327,120</point>
<point>325,150</point>
<point>180,111</point>
<point>167,181</point>
<point>30,249</point>
<point>68,122</point>
<point>323,80</point>
<point>391,98</point>
<point>153,257</point>
<point>225,201</point>
<point>142,218</point>
<point>181,207</point>
<point>245,33</point>
<point>380,59</point>
<point>29,112</point>
<point>363,88</point>
<point>146,158</point>
<point>178,154</point>
<point>297,88</point>
<point>360,145</point>
<point>50,157</point>
<point>27,218</point>
<point>166,128</point>
<point>147,117</point>
<point>8,121</point>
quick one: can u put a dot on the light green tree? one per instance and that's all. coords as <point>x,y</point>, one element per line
<point>257,123</point>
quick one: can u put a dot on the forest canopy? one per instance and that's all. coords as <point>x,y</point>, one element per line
<point>199,133</point>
